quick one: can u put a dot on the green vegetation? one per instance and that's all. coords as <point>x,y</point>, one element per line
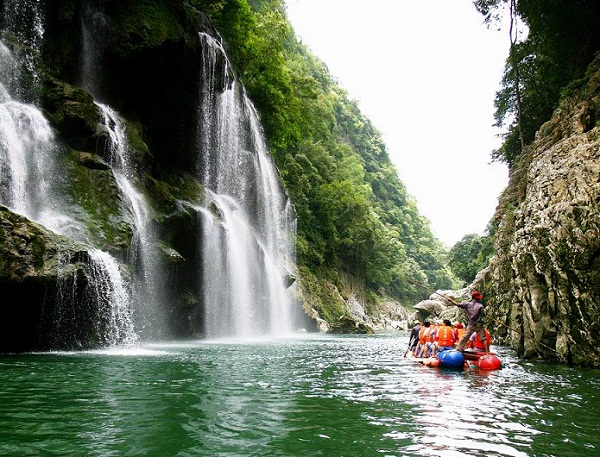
<point>470,255</point>
<point>563,38</point>
<point>354,214</point>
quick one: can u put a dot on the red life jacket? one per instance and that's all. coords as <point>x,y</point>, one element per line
<point>478,344</point>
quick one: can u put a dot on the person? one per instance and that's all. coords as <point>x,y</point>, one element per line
<point>445,337</point>
<point>476,343</point>
<point>460,331</point>
<point>423,335</point>
<point>474,310</point>
<point>413,340</point>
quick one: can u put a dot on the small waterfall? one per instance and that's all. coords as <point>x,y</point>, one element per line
<point>94,23</point>
<point>101,308</point>
<point>111,295</point>
<point>145,256</point>
<point>26,156</point>
<point>24,21</point>
<point>248,222</point>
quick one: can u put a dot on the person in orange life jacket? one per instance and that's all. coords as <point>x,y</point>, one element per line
<point>476,343</point>
<point>423,334</point>
<point>474,310</point>
<point>430,340</point>
<point>445,337</point>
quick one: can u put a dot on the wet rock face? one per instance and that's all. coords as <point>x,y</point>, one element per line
<point>545,278</point>
<point>29,275</point>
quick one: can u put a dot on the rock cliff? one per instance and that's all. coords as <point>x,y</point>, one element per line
<point>543,284</point>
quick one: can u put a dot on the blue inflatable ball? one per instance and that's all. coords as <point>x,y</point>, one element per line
<point>452,359</point>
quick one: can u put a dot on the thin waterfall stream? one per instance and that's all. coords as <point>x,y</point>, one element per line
<point>148,285</point>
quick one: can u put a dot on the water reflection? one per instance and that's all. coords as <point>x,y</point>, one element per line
<point>329,396</point>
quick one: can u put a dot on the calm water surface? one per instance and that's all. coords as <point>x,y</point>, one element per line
<point>311,396</point>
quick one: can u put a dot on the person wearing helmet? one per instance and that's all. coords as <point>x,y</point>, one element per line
<point>474,310</point>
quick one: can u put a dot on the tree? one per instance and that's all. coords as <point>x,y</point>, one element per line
<point>470,255</point>
<point>563,38</point>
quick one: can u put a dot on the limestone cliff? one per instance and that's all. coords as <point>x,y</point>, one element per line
<point>543,284</point>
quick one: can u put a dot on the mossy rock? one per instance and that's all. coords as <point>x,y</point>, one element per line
<point>98,204</point>
<point>72,112</point>
<point>347,325</point>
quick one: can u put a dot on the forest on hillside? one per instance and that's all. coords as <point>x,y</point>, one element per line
<point>552,44</point>
<point>355,217</point>
<point>354,214</point>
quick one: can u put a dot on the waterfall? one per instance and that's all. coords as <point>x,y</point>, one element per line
<point>101,308</point>
<point>248,222</point>
<point>24,20</point>
<point>145,256</point>
<point>29,169</point>
<point>111,295</point>
<point>94,24</point>
<point>26,150</point>
<point>149,283</point>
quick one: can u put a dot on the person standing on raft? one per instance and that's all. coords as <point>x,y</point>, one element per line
<point>474,310</point>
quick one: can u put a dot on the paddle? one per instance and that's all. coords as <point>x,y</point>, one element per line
<point>408,347</point>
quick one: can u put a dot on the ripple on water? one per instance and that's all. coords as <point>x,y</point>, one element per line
<point>326,396</point>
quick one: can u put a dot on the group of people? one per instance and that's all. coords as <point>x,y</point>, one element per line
<point>427,339</point>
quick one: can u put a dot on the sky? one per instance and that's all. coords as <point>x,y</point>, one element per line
<point>425,72</point>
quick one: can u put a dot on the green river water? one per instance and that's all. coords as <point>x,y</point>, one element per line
<point>308,396</point>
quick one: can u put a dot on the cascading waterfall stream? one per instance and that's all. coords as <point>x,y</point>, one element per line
<point>111,295</point>
<point>149,282</point>
<point>149,279</point>
<point>246,245</point>
<point>29,177</point>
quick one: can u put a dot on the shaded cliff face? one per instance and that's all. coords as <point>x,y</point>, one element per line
<point>45,282</point>
<point>545,277</point>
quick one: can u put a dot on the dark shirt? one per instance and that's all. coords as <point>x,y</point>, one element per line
<point>474,311</point>
<point>414,334</point>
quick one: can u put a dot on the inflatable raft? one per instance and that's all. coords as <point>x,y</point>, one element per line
<point>451,358</point>
<point>481,360</point>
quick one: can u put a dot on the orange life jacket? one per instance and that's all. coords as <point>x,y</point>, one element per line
<point>445,336</point>
<point>423,335</point>
<point>430,336</point>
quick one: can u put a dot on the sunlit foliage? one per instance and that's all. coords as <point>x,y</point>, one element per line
<point>353,212</point>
